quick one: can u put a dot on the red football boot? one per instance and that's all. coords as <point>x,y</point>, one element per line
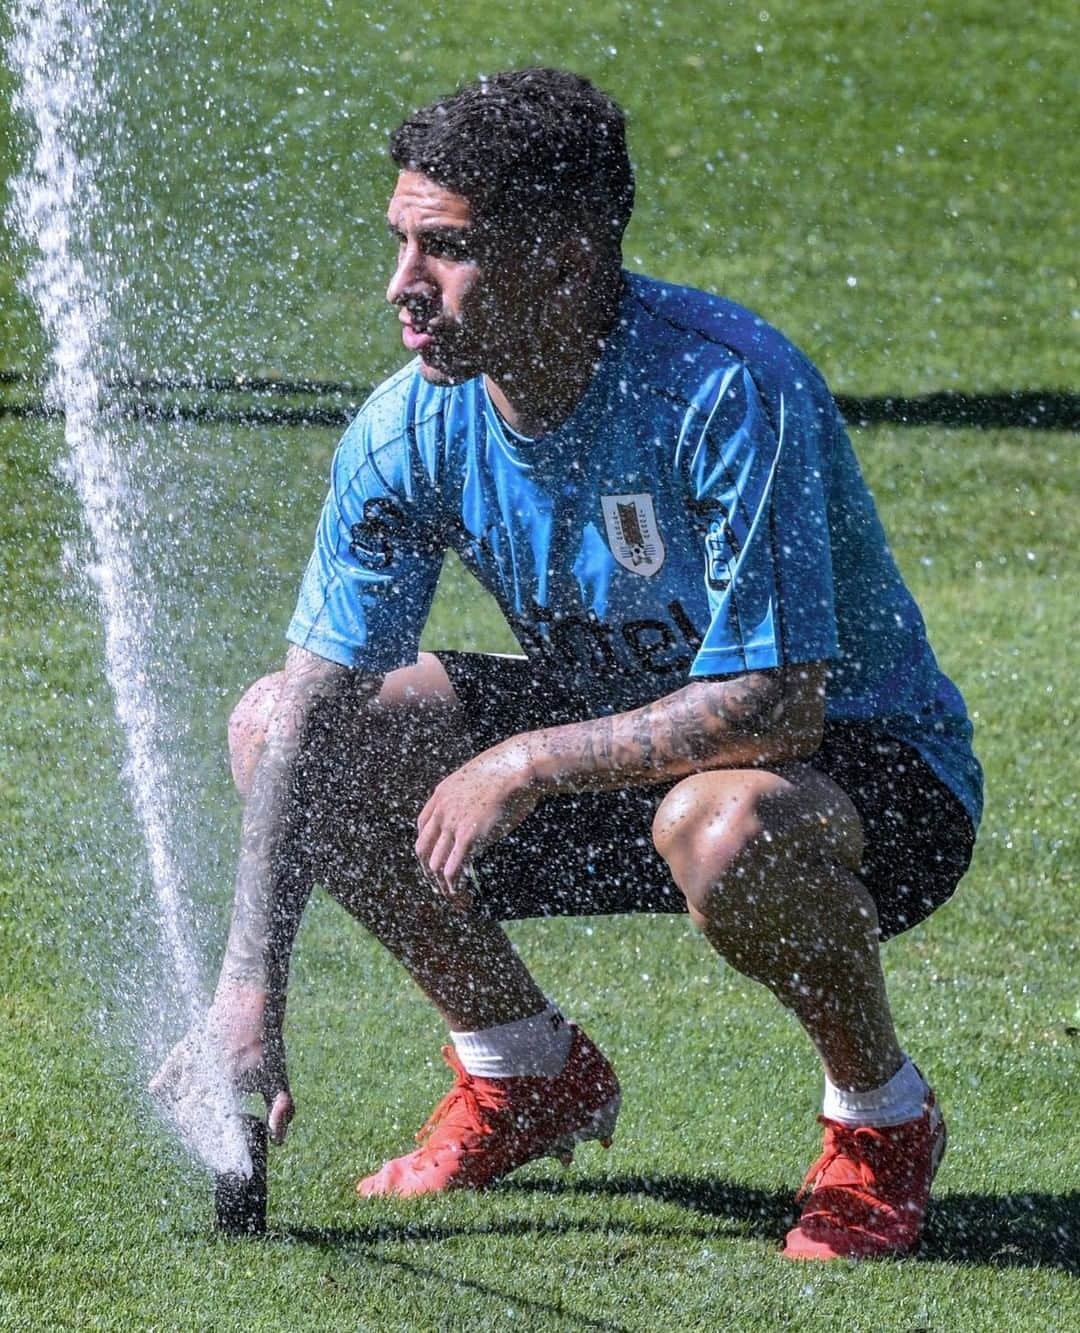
<point>484,1128</point>
<point>869,1189</point>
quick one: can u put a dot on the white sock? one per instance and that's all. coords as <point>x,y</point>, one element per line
<point>537,1045</point>
<point>902,1098</point>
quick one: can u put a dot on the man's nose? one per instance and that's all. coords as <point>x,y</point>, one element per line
<point>409,275</point>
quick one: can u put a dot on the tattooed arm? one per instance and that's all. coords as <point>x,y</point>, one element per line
<point>761,717</point>
<point>245,1022</point>
<point>271,887</point>
<point>745,721</point>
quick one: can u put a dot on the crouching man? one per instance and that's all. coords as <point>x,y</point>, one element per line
<point>727,703</point>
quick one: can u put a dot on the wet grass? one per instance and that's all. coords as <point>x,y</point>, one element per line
<point>103,1226</point>
<point>920,154</point>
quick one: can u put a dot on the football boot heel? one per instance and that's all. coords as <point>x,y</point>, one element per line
<point>600,1125</point>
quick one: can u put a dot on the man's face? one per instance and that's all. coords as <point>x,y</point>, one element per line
<point>463,308</point>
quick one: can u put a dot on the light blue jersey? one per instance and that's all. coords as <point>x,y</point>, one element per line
<point>700,513</point>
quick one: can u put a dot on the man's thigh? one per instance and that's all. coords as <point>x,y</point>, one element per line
<point>368,770</point>
<point>581,854</point>
<point>591,853</point>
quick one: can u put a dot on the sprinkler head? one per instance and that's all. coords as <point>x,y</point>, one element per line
<point>240,1201</point>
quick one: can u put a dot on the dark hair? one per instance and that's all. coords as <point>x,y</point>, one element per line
<point>528,146</point>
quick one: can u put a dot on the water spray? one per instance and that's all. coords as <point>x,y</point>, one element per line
<point>56,55</point>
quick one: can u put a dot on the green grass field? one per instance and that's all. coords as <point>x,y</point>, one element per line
<point>961,247</point>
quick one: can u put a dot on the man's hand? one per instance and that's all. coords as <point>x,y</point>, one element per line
<point>240,1032</point>
<point>475,806</point>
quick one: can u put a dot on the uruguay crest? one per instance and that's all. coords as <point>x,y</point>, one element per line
<point>632,533</point>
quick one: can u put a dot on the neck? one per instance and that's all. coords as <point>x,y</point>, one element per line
<point>536,394</point>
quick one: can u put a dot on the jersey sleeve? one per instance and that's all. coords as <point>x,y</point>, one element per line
<point>371,578</point>
<point>760,481</point>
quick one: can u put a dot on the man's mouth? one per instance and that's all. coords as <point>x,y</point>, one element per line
<point>416,324</point>
<point>415,339</point>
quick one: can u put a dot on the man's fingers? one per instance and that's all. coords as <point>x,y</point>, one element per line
<point>282,1110</point>
<point>459,855</point>
<point>439,853</point>
<point>426,839</point>
<point>426,875</point>
<point>460,893</point>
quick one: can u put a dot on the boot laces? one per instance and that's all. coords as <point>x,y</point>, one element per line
<point>856,1145</point>
<point>466,1102</point>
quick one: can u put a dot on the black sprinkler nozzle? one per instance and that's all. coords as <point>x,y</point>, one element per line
<point>240,1201</point>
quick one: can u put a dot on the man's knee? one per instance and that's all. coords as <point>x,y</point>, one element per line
<point>409,690</point>
<point>248,725</point>
<point>704,828</point>
<point>735,840</point>
<point>423,685</point>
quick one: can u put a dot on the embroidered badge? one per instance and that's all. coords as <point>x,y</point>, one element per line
<point>632,533</point>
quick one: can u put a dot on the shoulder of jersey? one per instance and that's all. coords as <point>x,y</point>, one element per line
<point>403,400</point>
<point>686,332</point>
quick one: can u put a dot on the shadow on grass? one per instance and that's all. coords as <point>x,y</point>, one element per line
<point>1004,1231</point>
<point>756,1214</point>
<point>360,1240</point>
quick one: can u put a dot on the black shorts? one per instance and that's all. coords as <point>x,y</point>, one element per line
<point>590,853</point>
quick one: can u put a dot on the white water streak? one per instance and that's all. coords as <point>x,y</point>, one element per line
<point>54,53</point>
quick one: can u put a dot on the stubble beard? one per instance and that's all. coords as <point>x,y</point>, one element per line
<point>457,356</point>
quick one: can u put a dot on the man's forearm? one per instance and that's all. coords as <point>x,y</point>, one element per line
<point>272,882</point>
<point>743,721</point>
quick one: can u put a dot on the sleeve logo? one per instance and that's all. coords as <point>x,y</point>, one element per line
<point>718,540</point>
<point>635,541</point>
<point>371,541</point>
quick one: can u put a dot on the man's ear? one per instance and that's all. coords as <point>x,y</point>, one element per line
<point>579,257</point>
<point>573,262</point>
